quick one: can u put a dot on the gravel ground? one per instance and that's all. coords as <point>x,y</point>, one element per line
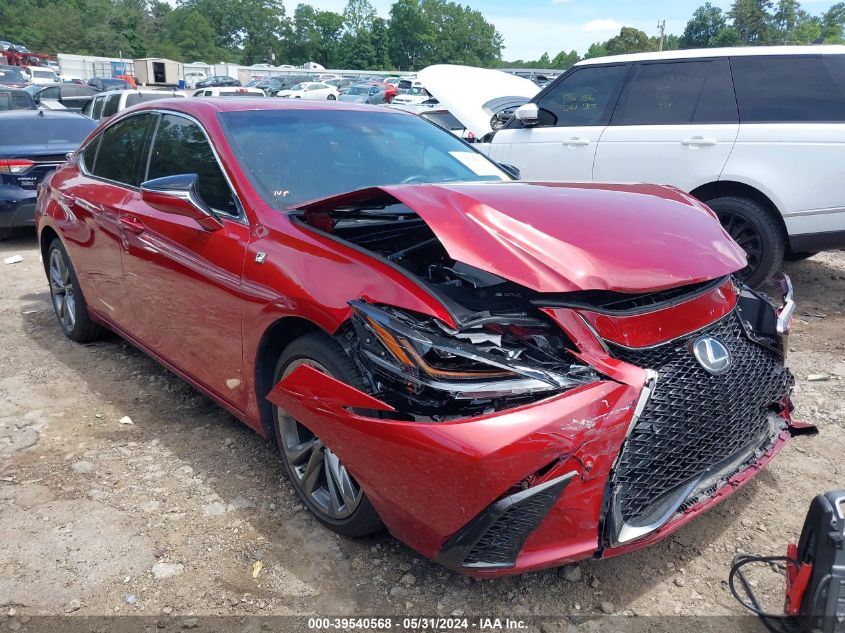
<point>171,512</point>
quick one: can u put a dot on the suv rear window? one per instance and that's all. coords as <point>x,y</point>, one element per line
<point>789,89</point>
<point>676,93</point>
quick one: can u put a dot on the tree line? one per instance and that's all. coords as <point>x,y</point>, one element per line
<point>415,34</point>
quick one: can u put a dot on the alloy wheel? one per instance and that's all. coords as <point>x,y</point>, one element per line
<point>316,470</point>
<point>747,236</point>
<point>61,290</point>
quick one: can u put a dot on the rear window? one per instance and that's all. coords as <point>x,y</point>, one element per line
<point>134,99</point>
<point>46,130</point>
<point>790,89</point>
<point>11,75</point>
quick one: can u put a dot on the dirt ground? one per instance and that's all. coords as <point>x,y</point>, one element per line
<point>171,513</point>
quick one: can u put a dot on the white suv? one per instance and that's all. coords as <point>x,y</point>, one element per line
<point>757,133</point>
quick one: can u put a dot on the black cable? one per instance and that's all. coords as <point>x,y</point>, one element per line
<point>774,622</point>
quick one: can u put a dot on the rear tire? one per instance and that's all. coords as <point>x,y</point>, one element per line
<point>333,496</point>
<point>751,226</point>
<point>67,298</point>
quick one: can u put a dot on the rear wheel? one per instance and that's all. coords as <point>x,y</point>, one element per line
<point>318,476</point>
<point>752,227</point>
<point>68,301</point>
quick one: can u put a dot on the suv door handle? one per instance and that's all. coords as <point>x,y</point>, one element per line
<point>698,141</point>
<point>576,141</point>
<point>132,224</point>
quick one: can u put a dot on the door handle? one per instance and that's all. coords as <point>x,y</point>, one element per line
<point>698,141</point>
<point>576,141</point>
<point>132,224</point>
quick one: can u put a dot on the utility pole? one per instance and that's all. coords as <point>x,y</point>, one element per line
<point>661,26</point>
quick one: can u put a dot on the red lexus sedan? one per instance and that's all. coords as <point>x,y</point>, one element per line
<point>506,375</point>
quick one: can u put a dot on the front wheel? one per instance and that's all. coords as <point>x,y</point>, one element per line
<point>751,226</point>
<point>317,474</point>
<point>331,98</point>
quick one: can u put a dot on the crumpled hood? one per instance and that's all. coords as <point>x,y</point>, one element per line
<point>555,237</point>
<point>470,93</point>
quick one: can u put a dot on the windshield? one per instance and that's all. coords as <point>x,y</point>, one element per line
<point>42,72</point>
<point>416,90</point>
<point>299,87</point>
<point>292,156</point>
<point>358,90</point>
<point>11,76</point>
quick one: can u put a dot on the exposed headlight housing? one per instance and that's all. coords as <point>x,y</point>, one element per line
<point>426,361</point>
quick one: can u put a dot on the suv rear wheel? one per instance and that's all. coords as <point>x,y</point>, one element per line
<point>752,227</point>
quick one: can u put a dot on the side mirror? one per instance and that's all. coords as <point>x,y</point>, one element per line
<point>528,114</point>
<point>179,195</point>
<point>511,170</point>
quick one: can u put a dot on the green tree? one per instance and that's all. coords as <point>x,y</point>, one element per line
<point>752,20</point>
<point>728,36</point>
<point>358,16</point>
<point>629,40</point>
<point>409,34</point>
<point>833,24</point>
<point>701,31</point>
<point>564,60</point>
<point>596,50</point>
<point>544,61</point>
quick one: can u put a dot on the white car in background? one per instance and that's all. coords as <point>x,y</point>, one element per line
<point>229,91</point>
<point>414,96</point>
<point>310,90</point>
<point>193,76</point>
<point>105,104</point>
<point>756,133</point>
<point>41,75</point>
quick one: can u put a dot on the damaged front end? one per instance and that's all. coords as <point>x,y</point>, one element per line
<point>575,411</point>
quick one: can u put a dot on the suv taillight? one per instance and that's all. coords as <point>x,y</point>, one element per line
<point>14,165</point>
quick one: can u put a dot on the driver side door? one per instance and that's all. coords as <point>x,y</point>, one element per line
<point>183,281</point>
<point>574,113</point>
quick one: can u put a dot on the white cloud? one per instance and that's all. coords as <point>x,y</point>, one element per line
<point>601,25</point>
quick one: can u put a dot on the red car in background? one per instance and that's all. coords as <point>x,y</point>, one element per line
<point>389,90</point>
<point>506,375</point>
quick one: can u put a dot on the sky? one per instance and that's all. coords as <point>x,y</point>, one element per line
<point>532,27</point>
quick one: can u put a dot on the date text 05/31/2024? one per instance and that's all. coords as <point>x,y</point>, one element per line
<point>418,624</point>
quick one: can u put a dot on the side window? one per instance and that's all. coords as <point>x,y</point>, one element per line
<point>88,108</point>
<point>585,97</point>
<point>788,89</point>
<point>97,112</point>
<point>89,154</point>
<point>121,146</point>
<point>180,147</point>
<point>675,93</point>
<point>49,93</point>
<point>110,105</point>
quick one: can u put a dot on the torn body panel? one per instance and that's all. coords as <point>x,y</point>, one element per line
<point>405,467</point>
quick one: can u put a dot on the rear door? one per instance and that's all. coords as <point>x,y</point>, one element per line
<point>676,123</point>
<point>573,115</point>
<point>106,188</point>
<point>791,142</point>
<point>184,282</point>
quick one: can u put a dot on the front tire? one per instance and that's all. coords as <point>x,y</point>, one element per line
<point>331,98</point>
<point>67,298</point>
<point>319,478</point>
<point>751,226</point>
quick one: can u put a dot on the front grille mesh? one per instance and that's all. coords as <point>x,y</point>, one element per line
<point>694,420</point>
<point>503,540</point>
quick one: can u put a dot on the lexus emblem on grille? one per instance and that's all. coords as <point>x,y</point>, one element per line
<point>712,354</point>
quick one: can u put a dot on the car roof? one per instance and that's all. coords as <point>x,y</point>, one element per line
<point>695,53</point>
<point>200,105</point>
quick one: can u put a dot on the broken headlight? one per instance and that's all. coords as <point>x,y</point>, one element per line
<point>497,358</point>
